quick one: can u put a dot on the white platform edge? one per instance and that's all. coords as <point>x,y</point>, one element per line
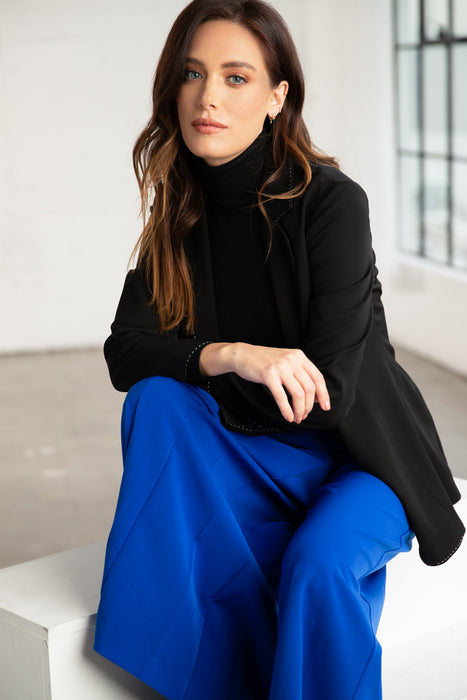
<point>420,599</point>
<point>54,595</point>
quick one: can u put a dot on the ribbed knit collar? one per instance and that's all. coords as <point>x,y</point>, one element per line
<point>236,183</point>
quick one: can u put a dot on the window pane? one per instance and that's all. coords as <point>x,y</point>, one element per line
<point>436,209</point>
<point>460,17</point>
<point>408,21</point>
<point>436,19</point>
<point>409,198</point>
<point>459,54</point>
<point>409,134</point>
<point>435,99</point>
<point>460,214</point>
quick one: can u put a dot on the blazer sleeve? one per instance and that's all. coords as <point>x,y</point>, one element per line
<point>342,269</point>
<point>137,349</point>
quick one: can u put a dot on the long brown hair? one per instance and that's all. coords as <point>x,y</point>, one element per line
<point>160,159</point>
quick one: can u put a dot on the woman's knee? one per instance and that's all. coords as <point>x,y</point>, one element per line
<point>364,504</point>
<point>307,563</point>
<point>158,405</point>
<point>161,396</point>
<point>356,525</point>
<point>155,389</point>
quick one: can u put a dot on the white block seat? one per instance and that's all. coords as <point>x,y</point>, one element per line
<point>423,629</point>
<point>47,619</point>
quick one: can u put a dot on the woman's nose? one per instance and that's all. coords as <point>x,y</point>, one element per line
<point>209,98</point>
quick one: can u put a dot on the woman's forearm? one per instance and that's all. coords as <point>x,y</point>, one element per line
<point>218,358</point>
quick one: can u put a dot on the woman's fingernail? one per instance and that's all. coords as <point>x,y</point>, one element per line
<point>327,406</point>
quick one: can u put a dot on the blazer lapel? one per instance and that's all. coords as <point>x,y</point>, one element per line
<point>282,273</point>
<point>281,262</point>
<point>198,252</point>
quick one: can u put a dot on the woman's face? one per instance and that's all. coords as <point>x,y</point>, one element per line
<point>226,94</point>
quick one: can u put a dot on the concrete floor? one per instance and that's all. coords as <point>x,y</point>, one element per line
<point>60,446</point>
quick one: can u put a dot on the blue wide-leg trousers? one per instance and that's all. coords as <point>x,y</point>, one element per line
<point>243,567</point>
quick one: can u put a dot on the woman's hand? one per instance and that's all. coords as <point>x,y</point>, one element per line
<point>280,369</point>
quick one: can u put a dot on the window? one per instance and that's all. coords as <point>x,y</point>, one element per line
<point>431,79</point>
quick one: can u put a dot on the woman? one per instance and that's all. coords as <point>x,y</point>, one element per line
<point>276,456</point>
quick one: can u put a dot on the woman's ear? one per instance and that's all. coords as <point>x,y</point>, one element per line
<point>277,100</point>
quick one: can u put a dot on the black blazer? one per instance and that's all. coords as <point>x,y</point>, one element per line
<point>324,278</point>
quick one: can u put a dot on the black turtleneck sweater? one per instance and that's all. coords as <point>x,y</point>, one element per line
<point>245,305</point>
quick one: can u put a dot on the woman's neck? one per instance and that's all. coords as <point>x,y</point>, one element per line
<point>237,182</point>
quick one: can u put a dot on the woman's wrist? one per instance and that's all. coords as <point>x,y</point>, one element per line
<point>218,358</point>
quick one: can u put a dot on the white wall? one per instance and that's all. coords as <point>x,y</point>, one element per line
<point>75,86</point>
<point>351,110</point>
<point>350,99</point>
<point>74,83</point>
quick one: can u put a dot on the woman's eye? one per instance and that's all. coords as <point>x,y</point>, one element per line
<point>236,79</point>
<point>192,75</point>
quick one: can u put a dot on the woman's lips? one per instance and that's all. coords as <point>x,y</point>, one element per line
<point>208,126</point>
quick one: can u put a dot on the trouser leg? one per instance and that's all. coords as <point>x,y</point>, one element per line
<point>332,591</point>
<point>193,558</point>
<point>180,585</point>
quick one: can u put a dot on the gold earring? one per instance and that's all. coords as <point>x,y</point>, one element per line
<point>272,119</point>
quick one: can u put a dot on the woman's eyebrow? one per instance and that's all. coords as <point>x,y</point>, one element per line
<point>227,64</point>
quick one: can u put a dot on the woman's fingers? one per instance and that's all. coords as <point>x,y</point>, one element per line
<point>321,391</point>
<point>304,383</point>
<point>294,396</point>
<point>294,381</point>
<point>309,391</point>
<point>281,399</point>
<point>300,390</point>
<point>298,396</point>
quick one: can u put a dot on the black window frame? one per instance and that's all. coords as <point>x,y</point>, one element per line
<point>447,39</point>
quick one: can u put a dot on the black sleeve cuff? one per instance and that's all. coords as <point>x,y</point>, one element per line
<point>192,371</point>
